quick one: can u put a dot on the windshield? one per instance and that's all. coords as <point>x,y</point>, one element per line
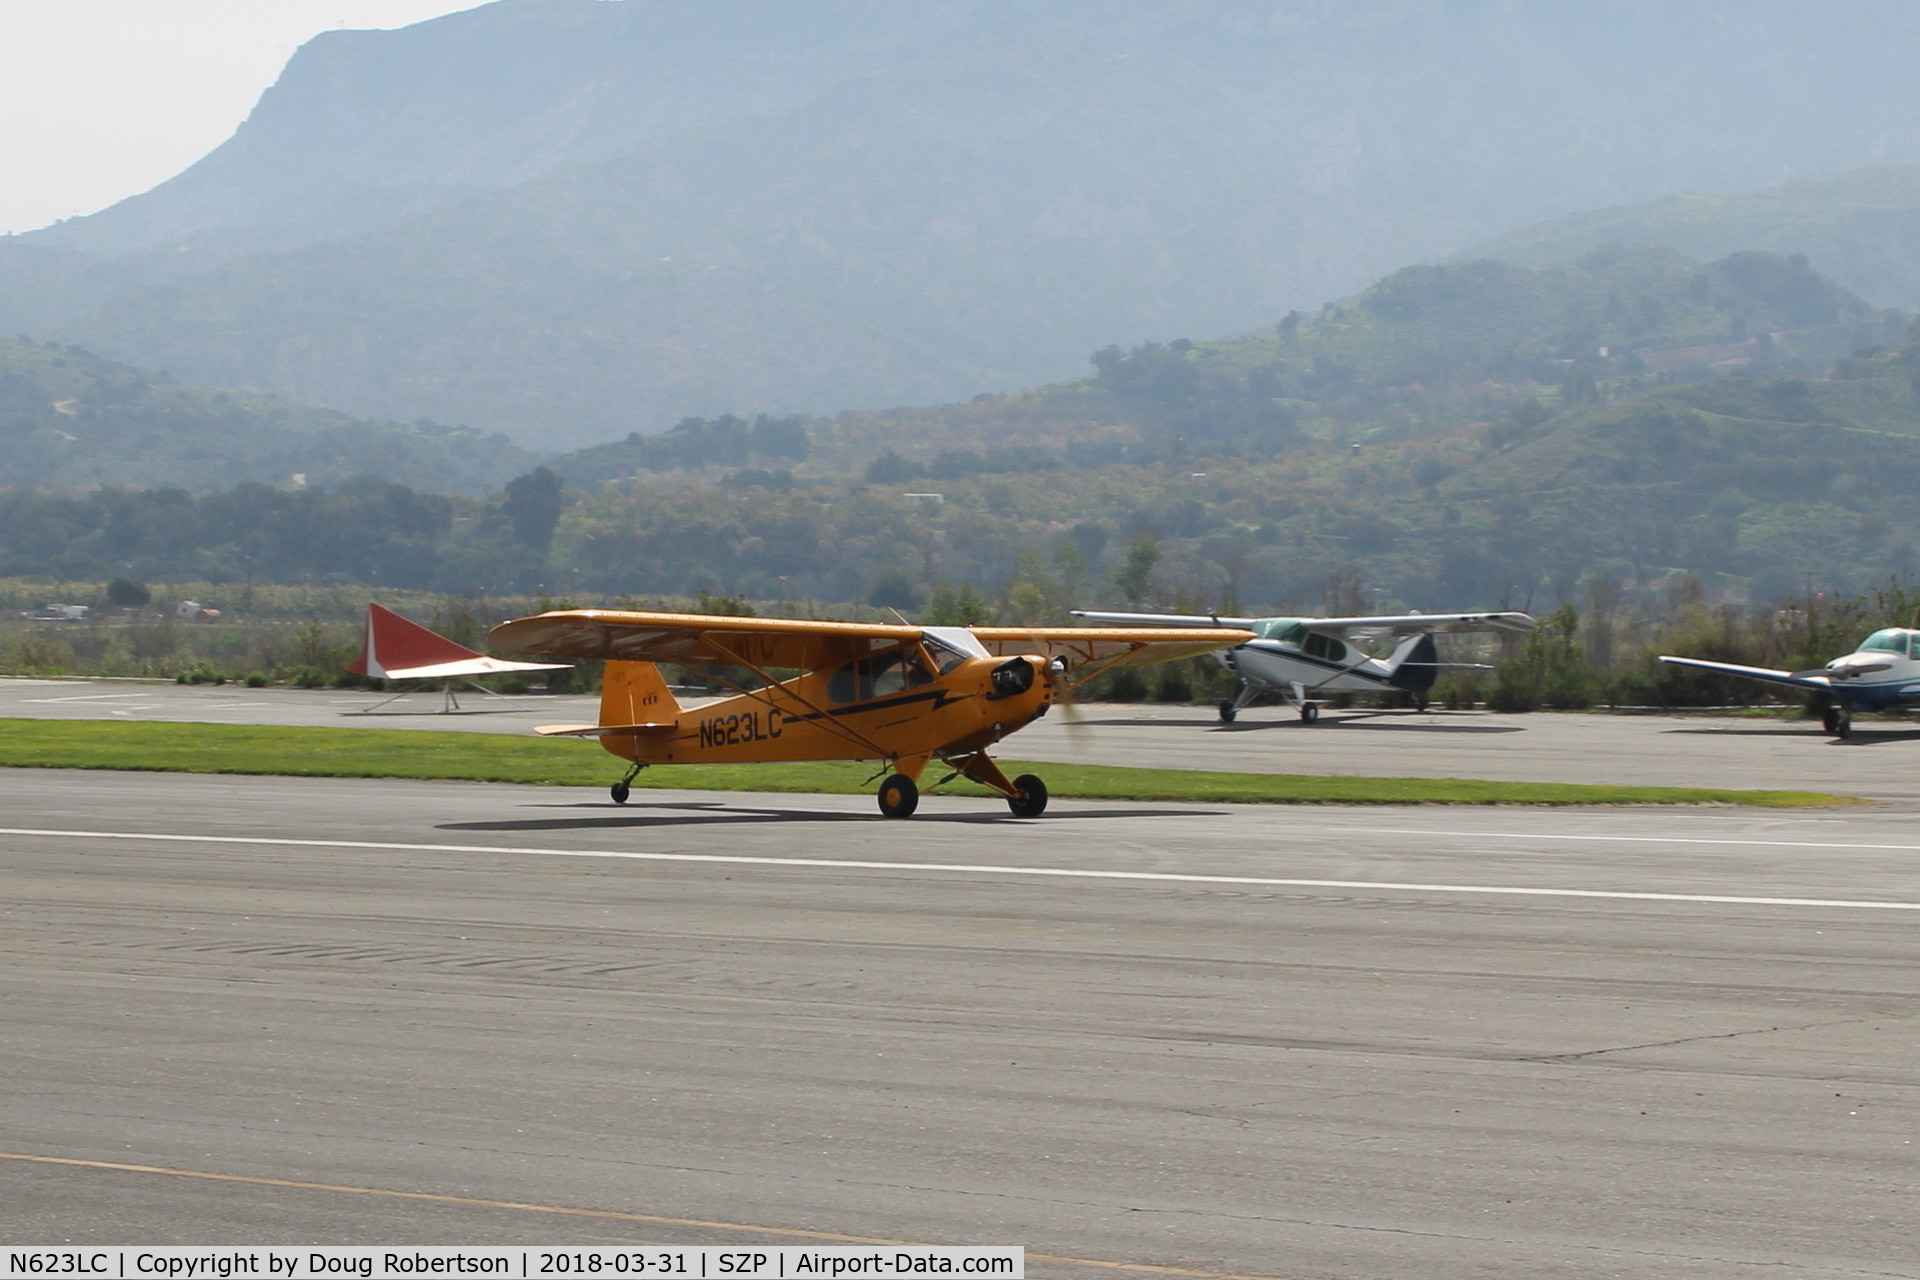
<point>951,646</point>
<point>1892,640</point>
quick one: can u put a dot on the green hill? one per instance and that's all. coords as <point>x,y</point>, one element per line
<point>1861,228</point>
<point>71,418</point>
<point>570,220</point>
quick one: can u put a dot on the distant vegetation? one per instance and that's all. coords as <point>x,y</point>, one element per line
<point>69,417</point>
<point>1668,449</point>
<point>1862,228</point>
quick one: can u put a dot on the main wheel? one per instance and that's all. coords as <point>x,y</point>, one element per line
<point>1844,729</point>
<point>899,797</point>
<point>1309,712</point>
<point>1420,702</point>
<point>1830,720</point>
<point>620,791</point>
<point>1032,800</point>
<point>1228,711</point>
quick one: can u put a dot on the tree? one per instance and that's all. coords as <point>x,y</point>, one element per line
<point>533,506</point>
<point>125,593</point>
<point>1134,577</point>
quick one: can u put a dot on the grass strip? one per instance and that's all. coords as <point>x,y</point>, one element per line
<point>487,757</point>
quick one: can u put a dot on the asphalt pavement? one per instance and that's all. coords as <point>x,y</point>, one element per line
<point>1223,1040</point>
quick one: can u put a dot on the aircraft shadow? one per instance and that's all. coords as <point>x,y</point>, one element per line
<point>706,814</point>
<point>1348,720</point>
<point>1363,722</point>
<point>1861,737</point>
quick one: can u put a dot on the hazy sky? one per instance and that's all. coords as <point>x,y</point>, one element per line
<point>106,98</point>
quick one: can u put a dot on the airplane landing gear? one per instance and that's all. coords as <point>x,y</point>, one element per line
<point>1830,719</point>
<point>1309,712</point>
<point>1843,727</point>
<point>624,788</point>
<point>1032,800</point>
<point>1228,711</point>
<point>899,796</point>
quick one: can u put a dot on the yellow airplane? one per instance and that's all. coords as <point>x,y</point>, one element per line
<point>902,695</point>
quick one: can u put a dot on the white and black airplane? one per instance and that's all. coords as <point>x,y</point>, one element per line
<point>1883,673</point>
<point>1303,658</point>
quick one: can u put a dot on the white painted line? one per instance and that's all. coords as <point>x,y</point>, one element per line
<point>978,869</point>
<point>1535,835</point>
<point>92,697</point>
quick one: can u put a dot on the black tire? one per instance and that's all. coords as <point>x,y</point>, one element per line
<point>1309,712</point>
<point>1420,702</point>
<point>1844,729</point>
<point>620,791</point>
<point>1228,711</point>
<point>1830,720</point>
<point>899,796</point>
<point>1032,800</point>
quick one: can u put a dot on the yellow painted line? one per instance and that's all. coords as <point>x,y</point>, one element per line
<point>612,1215</point>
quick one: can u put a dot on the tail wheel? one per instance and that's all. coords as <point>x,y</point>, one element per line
<point>1228,711</point>
<point>1032,800</point>
<point>620,791</point>
<point>899,797</point>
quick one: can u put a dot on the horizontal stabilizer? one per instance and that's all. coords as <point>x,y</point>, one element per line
<point>601,730</point>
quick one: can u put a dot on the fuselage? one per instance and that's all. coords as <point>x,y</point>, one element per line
<point>1288,652</point>
<point>1883,672</point>
<point>904,702</point>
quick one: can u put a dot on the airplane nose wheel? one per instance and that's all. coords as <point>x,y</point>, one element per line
<point>1032,800</point>
<point>899,797</point>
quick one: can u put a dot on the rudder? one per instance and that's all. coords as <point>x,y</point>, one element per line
<point>635,693</point>
<point>1415,665</point>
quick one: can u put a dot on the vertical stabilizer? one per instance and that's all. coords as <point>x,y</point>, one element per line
<point>634,693</point>
<point>1415,665</point>
<point>392,643</point>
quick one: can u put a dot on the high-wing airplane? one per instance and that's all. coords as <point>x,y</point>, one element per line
<point>1300,658</point>
<point>396,649</point>
<point>1883,673</point>
<point>902,695</point>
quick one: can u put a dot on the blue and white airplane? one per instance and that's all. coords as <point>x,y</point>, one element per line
<point>1883,673</point>
<point>1301,658</point>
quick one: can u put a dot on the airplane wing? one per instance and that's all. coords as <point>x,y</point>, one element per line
<point>1088,651</point>
<point>1399,624</point>
<point>1165,620</point>
<point>1408,624</point>
<point>696,640</point>
<point>478,665</point>
<point>1801,679</point>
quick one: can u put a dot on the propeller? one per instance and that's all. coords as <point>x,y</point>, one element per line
<point>1063,695</point>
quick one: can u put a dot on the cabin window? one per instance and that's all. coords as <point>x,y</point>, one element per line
<point>1319,646</point>
<point>878,676</point>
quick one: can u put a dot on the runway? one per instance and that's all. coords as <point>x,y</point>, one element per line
<point>1218,1040</point>
<point>1648,750</point>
